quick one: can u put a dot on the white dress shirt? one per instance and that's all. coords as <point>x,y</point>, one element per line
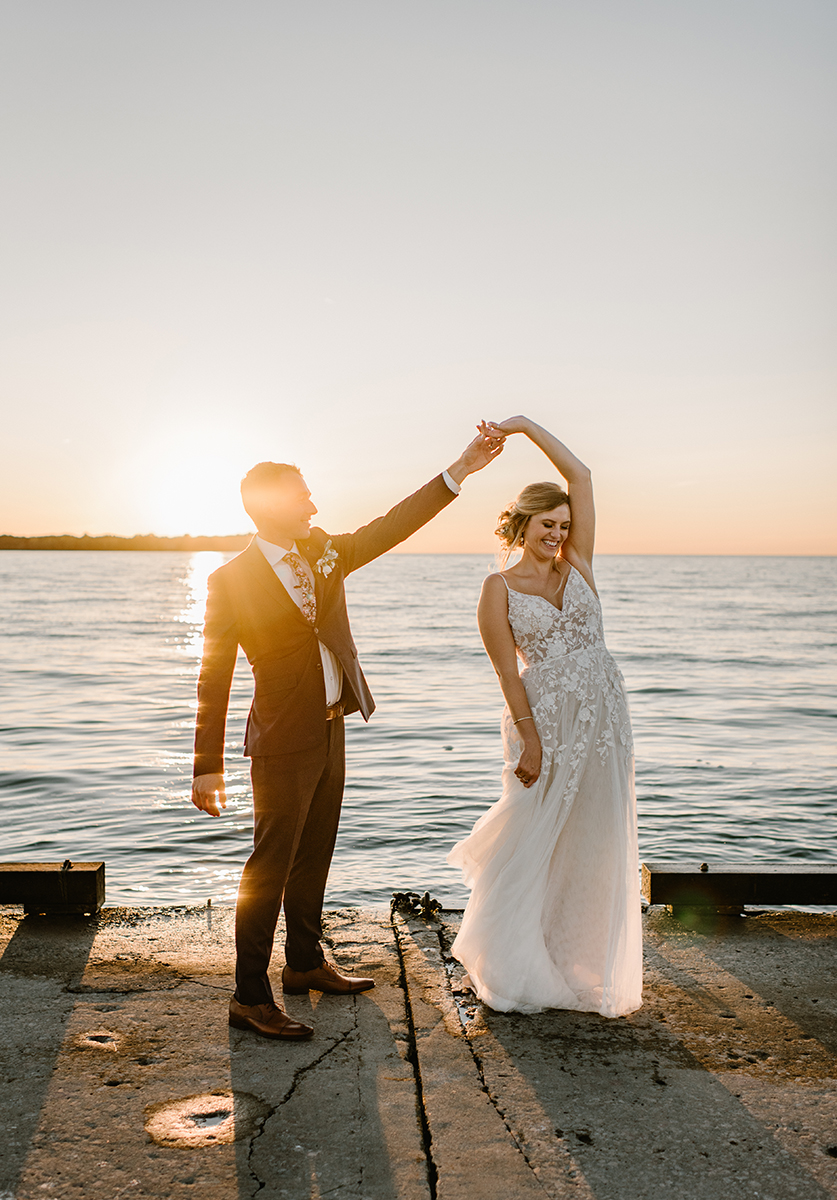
<point>275,555</point>
<point>452,484</point>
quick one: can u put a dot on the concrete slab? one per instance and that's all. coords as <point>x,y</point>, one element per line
<point>473,1153</point>
<point>722,1084</point>
<point>121,1074</point>
<point>121,1077</point>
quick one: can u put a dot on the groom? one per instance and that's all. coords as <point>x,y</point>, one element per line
<point>283,601</point>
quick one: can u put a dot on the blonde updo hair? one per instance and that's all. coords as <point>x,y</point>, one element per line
<point>511,524</point>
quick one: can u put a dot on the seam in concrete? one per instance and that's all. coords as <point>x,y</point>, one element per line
<point>413,1059</point>
<point>444,950</point>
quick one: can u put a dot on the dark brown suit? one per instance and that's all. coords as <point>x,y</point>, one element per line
<point>297,755</point>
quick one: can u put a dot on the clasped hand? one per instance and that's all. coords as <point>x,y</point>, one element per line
<point>204,790</point>
<point>528,768</point>
<point>485,447</point>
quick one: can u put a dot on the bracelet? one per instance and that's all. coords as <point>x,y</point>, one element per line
<point>519,719</point>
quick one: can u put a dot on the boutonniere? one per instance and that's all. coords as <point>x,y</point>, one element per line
<point>325,565</point>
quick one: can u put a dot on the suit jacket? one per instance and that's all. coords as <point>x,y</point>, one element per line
<point>248,606</point>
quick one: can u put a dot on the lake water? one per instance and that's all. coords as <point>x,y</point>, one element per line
<point>730,663</point>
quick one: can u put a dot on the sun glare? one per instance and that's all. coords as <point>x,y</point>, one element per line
<point>192,490</point>
<point>201,566</point>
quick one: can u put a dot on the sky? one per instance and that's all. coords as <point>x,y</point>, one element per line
<point>339,233</point>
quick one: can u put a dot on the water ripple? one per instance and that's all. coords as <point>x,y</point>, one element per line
<point>730,675</point>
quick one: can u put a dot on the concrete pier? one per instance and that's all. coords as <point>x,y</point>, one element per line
<point>121,1077</point>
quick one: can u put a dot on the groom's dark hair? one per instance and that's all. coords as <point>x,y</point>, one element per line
<point>259,483</point>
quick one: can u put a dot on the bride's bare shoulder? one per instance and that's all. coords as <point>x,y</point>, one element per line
<point>495,584</point>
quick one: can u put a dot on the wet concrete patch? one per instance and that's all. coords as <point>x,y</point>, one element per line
<point>125,974</point>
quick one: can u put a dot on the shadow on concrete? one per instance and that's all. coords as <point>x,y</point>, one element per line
<point>634,1109</point>
<point>786,959</point>
<point>324,1132</point>
<point>678,1099</point>
<point>44,958</point>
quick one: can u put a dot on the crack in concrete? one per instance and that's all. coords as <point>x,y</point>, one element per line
<point>297,1076</point>
<point>260,1182</point>
<point>447,961</point>
<point>413,1060</point>
<point>359,1062</point>
<point>215,987</point>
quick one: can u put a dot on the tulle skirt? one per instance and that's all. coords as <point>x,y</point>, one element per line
<point>554,917</point>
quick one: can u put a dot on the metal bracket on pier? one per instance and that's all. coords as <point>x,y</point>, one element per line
<point>53,888</point>
<point>727,888</point>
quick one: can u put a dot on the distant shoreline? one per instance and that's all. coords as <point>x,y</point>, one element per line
<point>147,541</point>
<point>239,541</point>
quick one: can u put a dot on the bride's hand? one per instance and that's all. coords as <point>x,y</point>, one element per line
<point>529,767</point>
<point>510,425</point>
<point>491,431</point>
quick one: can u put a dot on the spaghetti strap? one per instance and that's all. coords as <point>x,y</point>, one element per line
<point>508,589</point>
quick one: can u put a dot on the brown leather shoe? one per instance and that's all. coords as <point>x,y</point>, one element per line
<point>267,1020</point>
<point>325,978</point>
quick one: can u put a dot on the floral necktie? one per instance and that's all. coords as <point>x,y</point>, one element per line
<point>309,603</point>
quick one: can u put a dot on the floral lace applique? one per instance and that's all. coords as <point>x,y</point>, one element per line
<point>569,676</point>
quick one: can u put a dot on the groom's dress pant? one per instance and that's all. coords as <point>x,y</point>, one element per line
<point>296,800</point>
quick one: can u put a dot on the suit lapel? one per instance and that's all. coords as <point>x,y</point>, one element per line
<point>262,573</point>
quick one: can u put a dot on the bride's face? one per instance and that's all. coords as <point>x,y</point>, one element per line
<point>546,532</point>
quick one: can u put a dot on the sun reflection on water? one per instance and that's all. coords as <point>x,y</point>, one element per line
<point>201,566</point>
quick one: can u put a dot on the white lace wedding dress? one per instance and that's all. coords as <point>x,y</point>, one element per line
<point>553,920</point>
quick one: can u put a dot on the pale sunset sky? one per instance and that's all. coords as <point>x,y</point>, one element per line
<point>339,232</point>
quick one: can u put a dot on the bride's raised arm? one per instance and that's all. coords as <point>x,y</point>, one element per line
<point>582,534</point>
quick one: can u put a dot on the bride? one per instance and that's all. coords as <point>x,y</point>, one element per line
<point>553,920</point>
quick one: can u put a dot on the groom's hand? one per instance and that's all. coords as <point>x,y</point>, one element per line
<point>204,789</point>
<point>479,453</point>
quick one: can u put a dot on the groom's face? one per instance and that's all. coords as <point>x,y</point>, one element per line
<point>290,508</point>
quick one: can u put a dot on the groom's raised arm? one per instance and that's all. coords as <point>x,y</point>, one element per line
<point>372,540</point>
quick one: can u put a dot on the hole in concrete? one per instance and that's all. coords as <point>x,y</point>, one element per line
<point>831,1151</point>
<point>206,1119</point>
<point>98,1039</point>
<point>203,1120</point>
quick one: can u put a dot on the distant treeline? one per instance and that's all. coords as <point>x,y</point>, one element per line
<point>142,541</point>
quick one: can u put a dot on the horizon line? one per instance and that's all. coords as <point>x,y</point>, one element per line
<point>242,538</point>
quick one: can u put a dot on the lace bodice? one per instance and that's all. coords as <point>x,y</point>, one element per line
<point>567,669</point>
<point>542,631</point>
